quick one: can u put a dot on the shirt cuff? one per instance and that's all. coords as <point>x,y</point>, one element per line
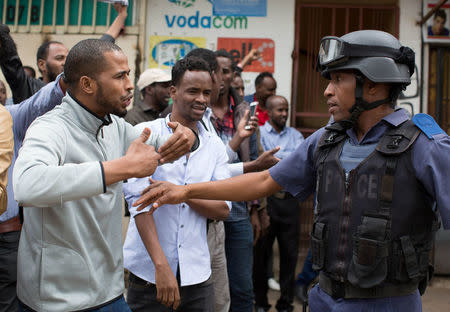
<point>236,169</point>
<point>103,177</point>
<point>232,155</point>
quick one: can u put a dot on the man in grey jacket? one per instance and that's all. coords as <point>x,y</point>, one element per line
<point>68,178</point>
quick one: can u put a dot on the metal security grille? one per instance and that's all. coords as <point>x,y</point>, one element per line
<point>314,21</point>
<point>439,86</point>
<point>66,16</point>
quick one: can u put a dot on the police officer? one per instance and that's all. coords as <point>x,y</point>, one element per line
<point>378,178</point>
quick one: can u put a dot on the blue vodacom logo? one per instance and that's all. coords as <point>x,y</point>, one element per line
<point>206,21</point>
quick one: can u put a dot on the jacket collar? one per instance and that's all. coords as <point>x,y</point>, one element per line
<point>83,116</point>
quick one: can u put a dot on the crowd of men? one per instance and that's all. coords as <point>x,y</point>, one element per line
<point>209,187</point>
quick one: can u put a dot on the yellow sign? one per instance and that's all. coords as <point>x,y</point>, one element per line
<point>165,51</point>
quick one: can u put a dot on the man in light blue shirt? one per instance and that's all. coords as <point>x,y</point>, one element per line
<point>275,133</point>
<point>283,210</point>
<point>167,252</point>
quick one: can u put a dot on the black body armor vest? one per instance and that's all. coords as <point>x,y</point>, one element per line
<point>376,227</point>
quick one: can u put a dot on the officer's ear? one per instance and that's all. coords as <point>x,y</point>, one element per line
<point>377,90</point>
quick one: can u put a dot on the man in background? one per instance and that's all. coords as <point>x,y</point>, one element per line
<point>153,84</point>
<point>265,86</point>
<point>438,28</point>
<point>50,59</point>
<point>283,209</point>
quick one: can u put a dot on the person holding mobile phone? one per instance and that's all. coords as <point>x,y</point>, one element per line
<point>265,86</point>
<point>253,106</point>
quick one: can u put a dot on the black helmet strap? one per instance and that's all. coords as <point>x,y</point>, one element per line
<point>360,104</point>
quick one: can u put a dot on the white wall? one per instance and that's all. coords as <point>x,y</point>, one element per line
<point>410,36</point>
<point>278,25</point>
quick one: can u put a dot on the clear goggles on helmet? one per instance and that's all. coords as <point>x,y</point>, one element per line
<point>331,51</point>
<point>334,50</point>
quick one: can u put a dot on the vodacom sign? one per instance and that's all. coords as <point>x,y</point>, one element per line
<point>206,21</point>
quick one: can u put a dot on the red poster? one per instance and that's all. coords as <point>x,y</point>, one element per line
<point>239,47</point>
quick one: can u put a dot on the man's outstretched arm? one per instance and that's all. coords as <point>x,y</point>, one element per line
<point>240,188</point>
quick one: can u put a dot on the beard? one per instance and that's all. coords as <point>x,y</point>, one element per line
<point>52,73</point>
<point>108,104</point>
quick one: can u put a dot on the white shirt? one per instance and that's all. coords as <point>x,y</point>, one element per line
<point>181,230</point>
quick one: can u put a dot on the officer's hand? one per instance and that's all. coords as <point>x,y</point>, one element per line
<point>179,143</point>
<point>167,291</point>
<point>160,193</point>
<point>142,158</point>
<point>267,159</point>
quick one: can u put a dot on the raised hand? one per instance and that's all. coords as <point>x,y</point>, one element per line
<point>178,144</point>
<point>252,123</point>
<point>141,157</point>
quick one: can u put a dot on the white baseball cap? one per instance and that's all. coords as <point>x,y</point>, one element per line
<point>152,75</point>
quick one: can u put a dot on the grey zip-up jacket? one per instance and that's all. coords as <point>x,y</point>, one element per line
<point>70,252</point>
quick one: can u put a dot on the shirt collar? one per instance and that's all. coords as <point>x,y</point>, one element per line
<point>201,129</point>
<point>394,119</point>
<point>269,128</point>
<point>85,117</point>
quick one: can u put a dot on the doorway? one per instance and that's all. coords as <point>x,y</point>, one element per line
<point>312,22</point>
<point>439,86</point>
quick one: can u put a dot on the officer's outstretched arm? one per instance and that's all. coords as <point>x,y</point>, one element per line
<point>240,188</point>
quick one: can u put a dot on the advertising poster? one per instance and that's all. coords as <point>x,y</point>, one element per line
<point>240,47</point>
<point>436,28</point>
<point>165,51</point>
<point>240,7</point>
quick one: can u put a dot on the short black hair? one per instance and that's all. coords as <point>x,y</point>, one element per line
<point>440,13</point>
<point>223,53</point>
<point>31,69</point>
<point>87,58</point>
<point>42,52</point>
<point>206,55</point>
<point>259,79</point>
<point>191,63</point>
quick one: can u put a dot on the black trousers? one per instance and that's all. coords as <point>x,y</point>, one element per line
<point>195,298</point>
<point>285,228</point>
<point>9,244</point>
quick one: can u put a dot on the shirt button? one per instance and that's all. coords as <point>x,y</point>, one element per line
<point>179,246</point>
<point>182,226</point>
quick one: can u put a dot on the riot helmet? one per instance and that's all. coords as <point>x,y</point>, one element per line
<point>372,54</point>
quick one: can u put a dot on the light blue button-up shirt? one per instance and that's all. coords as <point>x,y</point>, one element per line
<point>181,230</point>
<point>23,115</point>
<point>288,139</point>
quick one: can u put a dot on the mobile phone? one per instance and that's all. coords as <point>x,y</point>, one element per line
<point>252,112</point>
